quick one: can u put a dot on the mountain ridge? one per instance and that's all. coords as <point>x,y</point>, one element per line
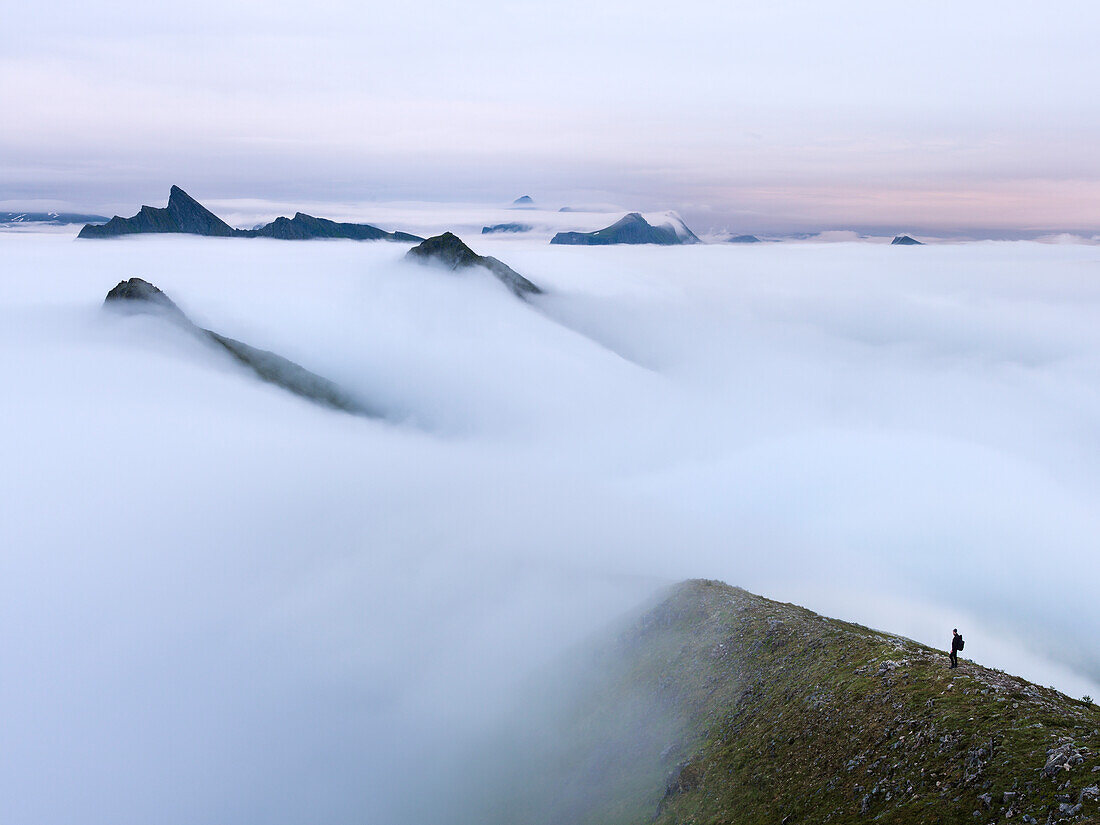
<point>632,228</point>
<point>719,706</point>
<point>185,215</point>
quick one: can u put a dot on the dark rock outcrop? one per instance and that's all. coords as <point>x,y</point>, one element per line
<point>523,200</point>
<point>183,214</point>
<point>303,227</point>
<point>449,251</point>
<point>743,239</point>
<point>505,227</point>
<point>905,240</point>
<point>137,295</point>
<point>631,229</point>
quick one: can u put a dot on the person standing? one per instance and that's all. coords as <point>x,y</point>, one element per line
<point>956,646</point>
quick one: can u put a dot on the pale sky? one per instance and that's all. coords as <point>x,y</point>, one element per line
<point>943,116</point>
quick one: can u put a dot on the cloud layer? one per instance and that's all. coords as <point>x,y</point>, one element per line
<point>220,603</point>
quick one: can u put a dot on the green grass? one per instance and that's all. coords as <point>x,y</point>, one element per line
<point>825,734</point>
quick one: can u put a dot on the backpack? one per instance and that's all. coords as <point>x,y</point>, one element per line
<point>961,642</point>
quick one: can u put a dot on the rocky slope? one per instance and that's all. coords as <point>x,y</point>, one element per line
<point>905,240</point>
<point>718,706</point>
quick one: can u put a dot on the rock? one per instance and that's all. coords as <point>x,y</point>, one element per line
<point>743,239</point>
<point>1057,759</point>
<point>137,295</point>
<point>183,214</point>
<point>523,200</point>
<point>1091,793</point>
<point>303,227</point>
<point>865,804</point>
<point>449,251</point>
<point>1069,810</point>
<point>632,229</point>
<point>505,227</point>
<point>905,240</point>
<point>986,800</point>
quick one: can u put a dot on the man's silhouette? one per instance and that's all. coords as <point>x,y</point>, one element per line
<point>956,646</point>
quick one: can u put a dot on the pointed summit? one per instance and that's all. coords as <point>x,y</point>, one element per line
<point>194,218</point>
<point>905,240</point>
<point>183,214</point>
<point>449,250</point>
<point>523,200</point>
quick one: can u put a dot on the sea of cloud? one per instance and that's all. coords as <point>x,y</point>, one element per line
<point>220,603</point>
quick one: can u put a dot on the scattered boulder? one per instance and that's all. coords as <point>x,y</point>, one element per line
<point>449,251</point>
<point>137,295</point>
<point>632,229</point>
<point>905,240</point>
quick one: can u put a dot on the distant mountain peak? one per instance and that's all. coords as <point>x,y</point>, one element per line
<point>185,215</point>
<point>633,228</point>
<point>905,240</point>
<point>523,200</point>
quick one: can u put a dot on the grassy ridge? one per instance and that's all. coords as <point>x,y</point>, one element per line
<point>791,717</point>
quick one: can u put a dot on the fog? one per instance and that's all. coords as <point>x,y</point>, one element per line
<point>220,603</point>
